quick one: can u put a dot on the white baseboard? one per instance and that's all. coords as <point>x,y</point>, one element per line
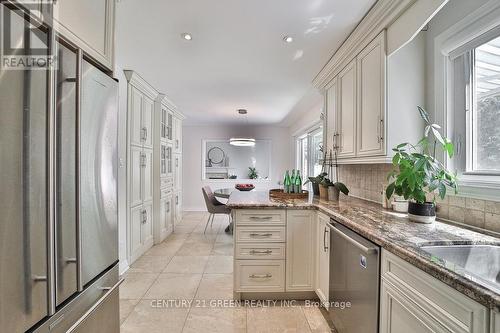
<point>123,266</point>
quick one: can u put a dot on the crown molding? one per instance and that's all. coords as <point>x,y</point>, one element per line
<point>380,16</point>
<point>134,79</point>
<point>166,102</point>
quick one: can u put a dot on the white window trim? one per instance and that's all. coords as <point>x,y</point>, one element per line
<point>474,25</point>
<point>304,132</point>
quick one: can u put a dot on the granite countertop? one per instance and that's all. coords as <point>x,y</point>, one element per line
<point>393,232</point>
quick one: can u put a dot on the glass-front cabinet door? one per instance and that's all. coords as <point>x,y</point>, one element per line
<point>169,160</point>
<point>163,124</point>
<point>163,160</point>
<point>169,126</point>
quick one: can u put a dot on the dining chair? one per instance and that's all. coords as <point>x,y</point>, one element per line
<point>214,206</point>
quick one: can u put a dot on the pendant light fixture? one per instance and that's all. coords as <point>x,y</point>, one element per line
<point>242,142</point>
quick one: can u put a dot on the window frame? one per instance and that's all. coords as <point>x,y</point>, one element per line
<point>298,143</point>
<point>471,31</point>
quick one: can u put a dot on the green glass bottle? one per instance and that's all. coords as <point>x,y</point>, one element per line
<point>287,183</point>
<point>298,183</point>
<point>292,182</point>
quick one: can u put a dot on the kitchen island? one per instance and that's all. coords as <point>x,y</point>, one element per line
<point>278,248</point>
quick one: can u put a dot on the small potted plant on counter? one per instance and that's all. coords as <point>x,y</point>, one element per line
<point>316,181</point>
<point>418,172</point>
<point>334,188</point>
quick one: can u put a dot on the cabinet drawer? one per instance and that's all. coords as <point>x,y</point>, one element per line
<point>260,251</point>
<point>166,182</point>
<point>260,234</point>
<point>260,217</point>
<point>259,276</point>
<point>165,193</point>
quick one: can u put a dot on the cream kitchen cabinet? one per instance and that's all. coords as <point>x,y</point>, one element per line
<point>141,113</point>
<point>413,301</point>
<point>177,172</point>
<point>147,175</point>
<point>322,248</point>
<point>346,112</point>
<point>141,230</point>
<point>371,106</point>
<point>135,176</point>
<point>177,207</point>
<point>141,178</point>
<point>177,134</point>
<point>371,81</point>
<point>147,122</point>
<point>165,220</point>
<point>300,239</point>
<point>163,186</point>
<point>331,114</point>
<point>90,25</point>
<point>495,322</point>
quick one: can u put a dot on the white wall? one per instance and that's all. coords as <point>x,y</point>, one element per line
<point>193,137</point>
<point>239,159</point>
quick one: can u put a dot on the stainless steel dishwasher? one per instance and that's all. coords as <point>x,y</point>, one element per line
<point>354,281</point>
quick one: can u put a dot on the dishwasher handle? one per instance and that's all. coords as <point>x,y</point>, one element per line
<point>368,250</point>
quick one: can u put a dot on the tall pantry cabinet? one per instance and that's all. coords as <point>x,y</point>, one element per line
<point>153,202</point>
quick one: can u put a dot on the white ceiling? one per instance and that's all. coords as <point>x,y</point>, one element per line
<point>237,58</point>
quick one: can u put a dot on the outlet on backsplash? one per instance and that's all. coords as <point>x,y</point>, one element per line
<point>366,181</point>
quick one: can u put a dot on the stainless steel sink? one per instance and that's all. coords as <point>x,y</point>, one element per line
<point>481,263</point>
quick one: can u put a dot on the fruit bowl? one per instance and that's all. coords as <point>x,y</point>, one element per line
<point>244,187</point>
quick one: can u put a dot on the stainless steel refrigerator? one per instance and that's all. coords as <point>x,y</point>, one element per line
<point>58,188</point>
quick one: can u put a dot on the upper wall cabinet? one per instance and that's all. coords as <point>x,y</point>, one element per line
<point>386,51</point>
<point>346,112</point>
<point>90,25</point>
<point>372,103</point>
<point>371,98</point>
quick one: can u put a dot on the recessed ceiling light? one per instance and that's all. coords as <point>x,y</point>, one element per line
<point>288,39</point>
<point>242,111</point>
<point>186,36</point>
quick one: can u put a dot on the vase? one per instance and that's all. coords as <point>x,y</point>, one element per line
<point>333,193</point>
<point>315,188</point>
<point>422,212</point>
<point>323,192</point>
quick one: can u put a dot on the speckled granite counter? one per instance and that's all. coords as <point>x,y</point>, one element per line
<point>393,232</point>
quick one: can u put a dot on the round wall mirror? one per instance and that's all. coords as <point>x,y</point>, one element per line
<point>216,155</point>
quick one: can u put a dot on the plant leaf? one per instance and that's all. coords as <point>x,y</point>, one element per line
<point>342,188</point>
<point>424,114</point>
<point>389,191</point>
<point>437,135</point>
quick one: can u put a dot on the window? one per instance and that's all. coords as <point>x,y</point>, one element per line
<point>308,154</point>
<point>485,125</point>
<point>476,121</point>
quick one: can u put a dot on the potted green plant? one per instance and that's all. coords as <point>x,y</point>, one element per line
<point>331,190</point>
<point>334,188</point>
<point>316,181</point>
<point>417,172</point>
<point>252,173</point>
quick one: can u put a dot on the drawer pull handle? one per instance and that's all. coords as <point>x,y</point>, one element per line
<point>260,276</point>
<point>261,252</point>
<point>261,218</point>
<point>261,235</point>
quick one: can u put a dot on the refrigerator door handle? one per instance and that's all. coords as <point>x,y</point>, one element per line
<point>51,227</point>
<point>79,250</point>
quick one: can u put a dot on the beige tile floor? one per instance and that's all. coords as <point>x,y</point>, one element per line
<point>172,288</point>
